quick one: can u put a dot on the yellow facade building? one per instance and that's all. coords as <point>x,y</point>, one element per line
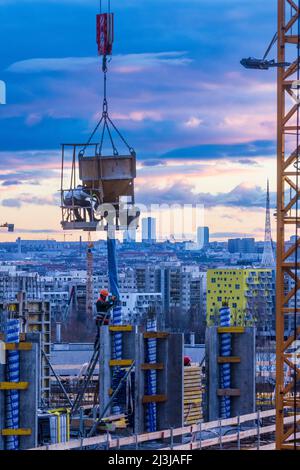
<point>248,292</point>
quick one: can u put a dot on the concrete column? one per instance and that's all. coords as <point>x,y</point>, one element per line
<point>243,374</point>
<point>29,399</point>
<point>174,406</point>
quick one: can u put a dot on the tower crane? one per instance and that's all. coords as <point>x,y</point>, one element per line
<point>288,221</point>
<point>10,227</point>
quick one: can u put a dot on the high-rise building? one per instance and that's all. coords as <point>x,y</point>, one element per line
<point>249,293</point>
<point>149,230</point>
<point>202,237</point>
<point>241,245</point>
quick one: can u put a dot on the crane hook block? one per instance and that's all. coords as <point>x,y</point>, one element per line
<point>105,33</point>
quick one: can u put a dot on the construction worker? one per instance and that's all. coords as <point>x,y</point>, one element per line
<point>104,305</point>
<point>79,198</point>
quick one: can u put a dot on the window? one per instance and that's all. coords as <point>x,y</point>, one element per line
<point>219,299</point>
<point>234,305</point>
<point>213,280</point>
<point>237,286</point>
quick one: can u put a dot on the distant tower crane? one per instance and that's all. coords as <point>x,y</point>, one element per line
<point>288,222</point>
<point>10,227</point>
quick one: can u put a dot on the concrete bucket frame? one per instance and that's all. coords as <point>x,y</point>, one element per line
<point>97,191</point>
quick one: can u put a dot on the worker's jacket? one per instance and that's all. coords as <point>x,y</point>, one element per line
<point>103,310</point>
<point>79,197</point>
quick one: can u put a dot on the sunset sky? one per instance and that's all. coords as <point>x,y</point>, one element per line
<point>202,126</point>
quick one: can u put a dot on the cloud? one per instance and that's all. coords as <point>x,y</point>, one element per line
<point>231,235</point>
<point>193,122</point>
<point>151,163</point>
<point>126,63</point>
<point>25,199</point>
<point>212,151</point>
<point>11,183</point>
<point>242,196</point>
<point>32,177</point>
<point>42,230</point>
<point>247,161</point>
<point>11,203</point>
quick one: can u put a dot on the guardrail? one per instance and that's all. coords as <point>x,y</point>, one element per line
<point>110,442</point>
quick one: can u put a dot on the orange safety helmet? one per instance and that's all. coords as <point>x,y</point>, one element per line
<point>104,292</point>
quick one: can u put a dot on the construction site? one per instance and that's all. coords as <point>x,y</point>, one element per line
<point>137,382</point>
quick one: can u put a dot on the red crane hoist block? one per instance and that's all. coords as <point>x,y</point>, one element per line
<point>105,33</point>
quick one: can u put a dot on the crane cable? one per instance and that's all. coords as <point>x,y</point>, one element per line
<point>105,120</point>
<point>108,1</point>
<point>273,41</point>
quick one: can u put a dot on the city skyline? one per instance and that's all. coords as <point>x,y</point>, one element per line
<point>207,136</point>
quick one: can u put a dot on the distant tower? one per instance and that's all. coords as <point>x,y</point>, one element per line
<point>268,260</point>
<point>89,279</point>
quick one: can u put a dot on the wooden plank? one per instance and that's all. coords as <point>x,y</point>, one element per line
<point>157,335</point>
<point>193,390</point>
<point>16,432</point>
<point>228,392</point>
<point>121,362</point>
<point>158,366</point>
<point>18,346</point>
<point>193,412</point>
<point>121,328</point>
<point>193,383</point>
<point>154,398</point>
<point>13,385</point>
<point>192,400</point>
<point>230,360</point>
<point>231,329</point>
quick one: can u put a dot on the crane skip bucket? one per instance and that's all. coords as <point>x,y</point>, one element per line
<point>91,181</point>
